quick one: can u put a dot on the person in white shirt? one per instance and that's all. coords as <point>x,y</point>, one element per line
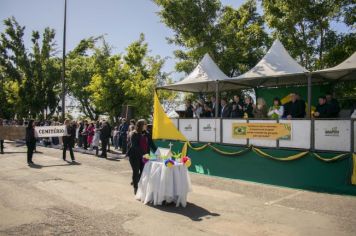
<point>276,111</point>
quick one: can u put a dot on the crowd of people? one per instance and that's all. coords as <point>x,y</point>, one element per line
<point>133,138</point>
<point>327,107</point>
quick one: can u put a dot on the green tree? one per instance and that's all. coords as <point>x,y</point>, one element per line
<point>29,79</point>
<point>80,70</point>
<point>304,26</point>
<point>235,38</point>
<point>193,23</point>
<point>102,82</point>
<point>242,38</point>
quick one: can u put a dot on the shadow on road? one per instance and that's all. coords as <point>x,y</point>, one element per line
<point>38,166</point>
<point>113,159</point>
<point>194,212</point>
<point>13,152</point>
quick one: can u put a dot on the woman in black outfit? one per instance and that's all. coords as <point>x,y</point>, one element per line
<point>68,140</point>
<point>30,141</point>
<point>141,143</point>
<point>1,141</point>
<point>248,107</point>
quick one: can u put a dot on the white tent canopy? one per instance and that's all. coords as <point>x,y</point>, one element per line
<point>202,79</point>
<point>277,67</point>
<point>346,70</point>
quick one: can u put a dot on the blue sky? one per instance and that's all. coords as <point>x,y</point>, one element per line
<point>121,21</point>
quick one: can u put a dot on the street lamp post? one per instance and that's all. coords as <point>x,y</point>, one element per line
<point>64,62</point>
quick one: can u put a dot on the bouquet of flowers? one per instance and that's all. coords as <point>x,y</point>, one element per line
<point>169,161</point>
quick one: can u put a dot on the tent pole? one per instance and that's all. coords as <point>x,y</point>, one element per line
<point>309,95</point>
<point>255,89</point>
<point>217,99</point>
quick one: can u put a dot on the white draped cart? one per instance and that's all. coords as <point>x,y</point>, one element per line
<point>160,183</point>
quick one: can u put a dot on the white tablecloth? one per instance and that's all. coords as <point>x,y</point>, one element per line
<point>159,183</point>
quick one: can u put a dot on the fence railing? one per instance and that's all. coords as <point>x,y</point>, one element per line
<point>310,134</point>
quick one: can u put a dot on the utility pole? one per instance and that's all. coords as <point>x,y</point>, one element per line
<point>64,62</point>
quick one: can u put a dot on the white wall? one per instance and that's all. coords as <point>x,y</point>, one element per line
<point>189,128</point>
<point>227,132</point>
<point>330,135</point>
<point>175,122</point>
<point>209,130</point>
<point>333,135</point>
<point>301,131</point>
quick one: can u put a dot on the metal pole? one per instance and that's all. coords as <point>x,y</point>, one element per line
<point>217,100</point>
<point>256,93</point>
<point>312,134</point>
<point>309,95</point>
<point>64,62</point>
<point>352,149</point>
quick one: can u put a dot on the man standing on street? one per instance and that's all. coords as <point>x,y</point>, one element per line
<point>68,140</point>
<point>105,133</point>
<point>1,141</point>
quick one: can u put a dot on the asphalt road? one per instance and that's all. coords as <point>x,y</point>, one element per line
<point>95,198</point>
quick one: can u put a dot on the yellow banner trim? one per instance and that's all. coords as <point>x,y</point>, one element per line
<point>229,153</point>
<point>335,158</point>
<point>353,177</point>
<point>198,148</point>
<point>288,158</point>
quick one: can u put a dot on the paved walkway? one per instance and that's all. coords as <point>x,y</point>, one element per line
<point>95,198</point>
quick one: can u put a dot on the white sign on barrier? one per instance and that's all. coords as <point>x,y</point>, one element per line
<point>50,131</point>
<point>209,130</point>
<point>189,128</point>
<point>301,131</point>
<point>227,132</point>
<point>262,142</point>
<point>332,135</point>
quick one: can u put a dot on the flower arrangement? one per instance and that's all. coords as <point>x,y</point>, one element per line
<point>167,160</point>
<point>186,161</point>
<point>169,163</point>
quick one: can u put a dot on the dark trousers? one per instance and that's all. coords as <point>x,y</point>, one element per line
<point>120,141</point>
<point>2,146</point>
<point>104,145</point>
<point>137,168</point>
<point>30,148</point>
<point>85,141</point>
<point>96,150</point>
<point>80,141</point>
<point>67,144</point>
<point>124,144</point>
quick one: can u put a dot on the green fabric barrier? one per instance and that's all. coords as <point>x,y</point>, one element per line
<point>268,94</point>
<point>306,173</point>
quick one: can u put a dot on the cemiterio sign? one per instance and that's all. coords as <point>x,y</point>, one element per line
<point>50,131</point>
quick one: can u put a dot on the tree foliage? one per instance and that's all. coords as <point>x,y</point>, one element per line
<point>304,27</point>
<point>103,82</point>
<point>29,79</point>
<point>235,38</point>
